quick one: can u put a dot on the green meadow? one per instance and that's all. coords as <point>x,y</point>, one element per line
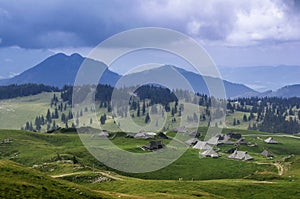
<point>33,164</point>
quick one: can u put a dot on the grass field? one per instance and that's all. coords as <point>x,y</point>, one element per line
<point>14,113</point>
<point>18,181</point>
<point>44,164</point>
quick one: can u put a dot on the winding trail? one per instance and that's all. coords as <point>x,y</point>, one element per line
<point>86,172</point>
<point>280,168</point>
<point>277,165</point>
<point>278,135</point>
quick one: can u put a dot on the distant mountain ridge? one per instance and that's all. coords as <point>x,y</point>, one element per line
<point>60,69</point>
<point>262,78</point>
<point>174,77</point>
<point>285,92</point>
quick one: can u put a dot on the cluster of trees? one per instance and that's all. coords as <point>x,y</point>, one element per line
<point>51,116</point>
<point>13,91</point>
<point>103,93</point>
<point>276,122</point>
<point>270,114</point>
<point>156,94</point>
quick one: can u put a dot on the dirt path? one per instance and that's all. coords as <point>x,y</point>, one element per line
<point>278,135</point>
<point>109,176</point>
<point>86,172</point>
<point>69,174</point>
<point>277,165</point>
<point>280,168</point>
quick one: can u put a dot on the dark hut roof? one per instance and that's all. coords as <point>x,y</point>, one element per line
<point>267,154</point>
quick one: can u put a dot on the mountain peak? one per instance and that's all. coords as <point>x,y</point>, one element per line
<point>64,56</point>
<point>76,55</point>
<point>57,70</point>
<point>57,55</point>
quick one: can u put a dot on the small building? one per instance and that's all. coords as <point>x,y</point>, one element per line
<point>154,145</point>
<point>219,139</point>
<point>240,155</point>
<point>270,140</point>
<point>103,134</point>
<point>163,136</point>
<point>230,151</point>
<point>214,140</point>
<point>144,135</point>
<point>192,141</point>
<point>241,141</point>
<point>267,154</point>
<point>202,146</point>
<point>209,153</point>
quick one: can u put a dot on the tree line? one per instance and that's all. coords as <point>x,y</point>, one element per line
<point>13,91</point>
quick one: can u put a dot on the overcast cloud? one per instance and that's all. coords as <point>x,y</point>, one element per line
<point>234,32</point>
<point>58,24</point>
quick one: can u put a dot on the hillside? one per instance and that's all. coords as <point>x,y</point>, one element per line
<point>59,70</point>
<point>286,92</point>
<point>182,79</point>
<point>45,168</point>
<point>19,181</point>
<point>262,78</point>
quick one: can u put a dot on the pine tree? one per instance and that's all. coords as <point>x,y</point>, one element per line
<point>138,112</point>
<point>102,119</point>
<point>54,125</point>
<point>167,107</point>
<point>70,116</point>
<point>234,122</point>
<point>56,113</point>
<point>27,126</point>
<point>37,123</point>
<point>61,107</point>
<point>63,118</point>
<point>144,108</point>
<point>147,118</point>
<point>245,118</point>
<point>48,116</point>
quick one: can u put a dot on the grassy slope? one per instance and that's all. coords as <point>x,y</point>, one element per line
<point>36,148</point>
<point>206,189</point>
<point>14,113</point>
<point>17,181</point>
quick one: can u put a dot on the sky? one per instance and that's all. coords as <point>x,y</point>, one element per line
<point>234,33</point>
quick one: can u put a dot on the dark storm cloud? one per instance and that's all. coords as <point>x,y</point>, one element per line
<point>49,24</point>
<point>55,24</point>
